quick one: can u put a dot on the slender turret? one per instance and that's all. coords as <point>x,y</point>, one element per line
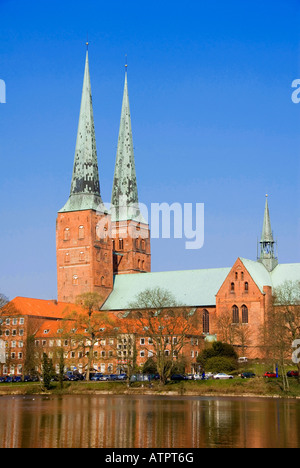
<point>267,243</point>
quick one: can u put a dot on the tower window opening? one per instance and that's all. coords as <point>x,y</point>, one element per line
<point>81,232</point>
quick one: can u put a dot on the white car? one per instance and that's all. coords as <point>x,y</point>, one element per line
<point>223,376</point>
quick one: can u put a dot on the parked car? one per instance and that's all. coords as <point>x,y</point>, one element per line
<point>8,379</point>
<point>222,376</point>
<point>248,375</point>
<point>270,375</point>
<point>2,379</point>
<point>242,360</point>
<point>31,378</point>
<point>179,377</point>
<point>96,377</point>
<point>113,377</point>
<point>104,377</point>
<point>293,374</point>
<point>17,378</point>
<point>122,377</point>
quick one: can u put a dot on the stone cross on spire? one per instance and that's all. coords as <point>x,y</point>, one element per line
<point>85,186</point>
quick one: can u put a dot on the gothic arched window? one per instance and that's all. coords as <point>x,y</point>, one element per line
<point>245,315</point>
<point>205,321</point>
<point>235,314</point>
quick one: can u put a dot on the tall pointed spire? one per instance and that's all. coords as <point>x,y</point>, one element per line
<point>267,235</point>
<point>125,204</point>
<point>267,243</point>
<point>85,186</point>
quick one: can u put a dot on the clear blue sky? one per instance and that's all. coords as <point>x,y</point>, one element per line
<point>212,116</point>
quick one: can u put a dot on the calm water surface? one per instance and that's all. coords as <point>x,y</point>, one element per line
<point>147,422</point>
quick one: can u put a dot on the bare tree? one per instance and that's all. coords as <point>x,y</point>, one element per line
<point>286,303</point>
<point>87,328</point>
<point>164,324</point>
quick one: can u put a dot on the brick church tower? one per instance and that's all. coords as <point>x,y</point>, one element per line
<point>84,249</point>
<point>130,231</point>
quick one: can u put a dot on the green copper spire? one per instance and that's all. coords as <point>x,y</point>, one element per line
<point>267,235</point>
<point>267,243</point>
<point>125,204</point>
<point>85,186</point>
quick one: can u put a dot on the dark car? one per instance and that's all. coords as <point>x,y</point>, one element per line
<point>248,375</point>
<point>113,377</point>
<point>179,377</point>
<point>73,377</point>
<point>293,374</point>
<point>80,376</point>
<point>31,378</point>
<point>8,379</point>
<point>2,379</point>
<point>18,378</point>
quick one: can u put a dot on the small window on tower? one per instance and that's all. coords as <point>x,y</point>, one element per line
<point>121,244</point>
<point>81,232</point>
<point>67,257</point>
<point>232,287</point>
<point>67,234</point>
<point>246,286</point>
<point>75,280</point>
<point>81,257</point>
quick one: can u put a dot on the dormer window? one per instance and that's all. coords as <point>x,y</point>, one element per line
<point>46,332</point>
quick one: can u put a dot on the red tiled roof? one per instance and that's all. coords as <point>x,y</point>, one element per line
<point>40,307</point>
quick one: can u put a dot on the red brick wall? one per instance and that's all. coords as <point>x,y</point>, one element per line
<point>84,255</point>
<point>235,292</point>
<point>132,247</point>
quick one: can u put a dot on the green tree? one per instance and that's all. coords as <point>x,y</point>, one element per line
<point>217,350</point>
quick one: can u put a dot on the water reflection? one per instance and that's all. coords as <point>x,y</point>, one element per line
<point>143,421</point>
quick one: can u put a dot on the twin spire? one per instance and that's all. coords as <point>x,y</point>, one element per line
<point>85,186</point>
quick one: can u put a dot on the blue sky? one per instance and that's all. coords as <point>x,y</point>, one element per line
<point>212,116</point>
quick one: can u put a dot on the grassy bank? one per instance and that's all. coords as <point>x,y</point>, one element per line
<point>237,387</point>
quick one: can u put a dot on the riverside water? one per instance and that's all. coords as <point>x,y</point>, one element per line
<point>148,422</point>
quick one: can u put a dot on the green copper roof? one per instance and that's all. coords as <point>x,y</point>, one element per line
<point>281,273</point>
<point>190,288</point>
<point>258,273</point>
<point>125,204</point>
<point>194,288</point>
<point>85,186</point>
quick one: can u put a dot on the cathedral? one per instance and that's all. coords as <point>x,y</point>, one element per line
<point>108,251</point>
